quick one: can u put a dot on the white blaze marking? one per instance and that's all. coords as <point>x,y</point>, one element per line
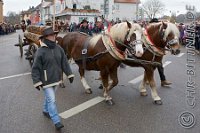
<point>81,107</point>
<point>139,78</point>
<point>138,47</point>
<point>84,82</point>
<point>139,50</point>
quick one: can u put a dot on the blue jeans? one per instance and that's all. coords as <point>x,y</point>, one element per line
<point>50,104</point>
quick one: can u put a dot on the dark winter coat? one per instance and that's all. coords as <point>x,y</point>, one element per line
<point>48,66</point>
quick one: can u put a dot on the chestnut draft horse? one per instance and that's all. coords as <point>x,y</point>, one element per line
<point>157,38</point>
<point>103,52</point>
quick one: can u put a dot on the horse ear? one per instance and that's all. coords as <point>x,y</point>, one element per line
<point>164,25</point>
<point>128,24</point>
<point>162,29</point>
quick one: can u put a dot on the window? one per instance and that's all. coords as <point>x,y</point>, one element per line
<point>102,7</point>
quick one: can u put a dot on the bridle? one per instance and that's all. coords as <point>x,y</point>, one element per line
<point>129,45</point>
<point>149,43</point>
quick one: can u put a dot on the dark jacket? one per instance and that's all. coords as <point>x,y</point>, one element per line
<point>86,30</point>
<point>48,66</point>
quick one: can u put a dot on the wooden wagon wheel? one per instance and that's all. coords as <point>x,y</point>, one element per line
<point>20,45</point>
<point>32,50</point>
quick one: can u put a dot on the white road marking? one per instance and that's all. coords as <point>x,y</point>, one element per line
<point>166,63</point>
<point>81,107</point>
<point>139,78</point>
<point>181,54</point>
<point>14,76</point>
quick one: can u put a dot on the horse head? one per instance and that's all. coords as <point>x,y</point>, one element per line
<point>163,36</point>
<point>129,35</point>
<point>171,37</point>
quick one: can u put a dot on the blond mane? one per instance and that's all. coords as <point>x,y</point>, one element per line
<point>119,31</point>
<point>171,28</point>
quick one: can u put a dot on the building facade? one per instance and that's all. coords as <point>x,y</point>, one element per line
<point>1,11</point>
<point>76,10</point>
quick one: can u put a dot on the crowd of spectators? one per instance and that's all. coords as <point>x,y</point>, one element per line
<point>96,27</point>
<point>6,28</point>
<point>91,28</point>
<point>183,35</point>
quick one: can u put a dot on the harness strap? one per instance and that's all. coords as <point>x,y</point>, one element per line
<point>85,51</point>
<point>150,45</point>
<point>91,58</point>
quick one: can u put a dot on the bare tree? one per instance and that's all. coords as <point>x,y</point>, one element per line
<point>13,18</point>
<point>152,8</point>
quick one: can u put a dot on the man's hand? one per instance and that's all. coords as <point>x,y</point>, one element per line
<point>71,79</point>
<point>39,87</point>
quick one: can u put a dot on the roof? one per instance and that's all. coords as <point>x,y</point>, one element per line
<point>127,1</point>
<point>80,10</point>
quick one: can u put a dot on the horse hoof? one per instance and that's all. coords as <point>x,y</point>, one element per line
<point>88,91</point>
<point>101,86</point>
<point>62,85</point>
<point>143,94</point>
<point>110,102</point>
<point>158,102</point>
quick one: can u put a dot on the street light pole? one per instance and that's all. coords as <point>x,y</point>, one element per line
<point>54,14</point>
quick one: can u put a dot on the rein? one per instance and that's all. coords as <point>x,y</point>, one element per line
<point>143,62</point>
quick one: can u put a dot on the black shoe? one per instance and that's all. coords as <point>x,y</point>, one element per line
<point>46,114</point>
<point>59,126</point>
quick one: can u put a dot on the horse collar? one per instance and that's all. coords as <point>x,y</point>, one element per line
<point>110,45</point>
<point>151,46</point>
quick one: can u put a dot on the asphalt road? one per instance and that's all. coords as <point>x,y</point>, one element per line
<point>21,104</point>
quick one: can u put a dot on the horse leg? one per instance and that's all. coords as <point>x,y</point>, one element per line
<point>114,78</point>
<point>84,82</point>
<point>106,87</point>
<point>154,94</point>
<point>142,87</point>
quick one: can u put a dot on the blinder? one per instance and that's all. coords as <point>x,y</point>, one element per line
<point>127,34</point>
<point>172,42</point>
<point>162,32</point>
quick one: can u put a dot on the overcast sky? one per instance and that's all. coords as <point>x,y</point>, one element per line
<point>178,6</point>
<point>18,5</point>
<point>170,5</point>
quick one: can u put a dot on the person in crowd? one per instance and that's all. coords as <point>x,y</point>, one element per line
<point>98,27</point>
<point>28,21</point>
<point>181,30</point>
<point>49,64</point>
<point>84,27</point>
<point>23,25</point>
<point>197,38</point>
<point>1,30</point>
<point>160,68</point>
